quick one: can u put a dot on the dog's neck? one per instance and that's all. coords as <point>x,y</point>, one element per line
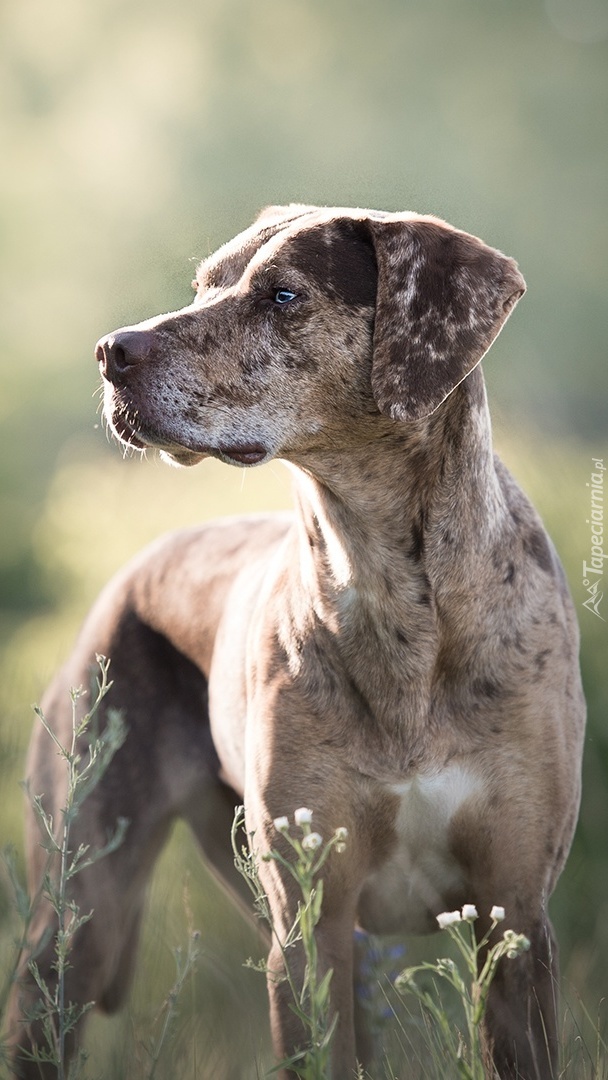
<point>375,508</point>
<point>387,528</point>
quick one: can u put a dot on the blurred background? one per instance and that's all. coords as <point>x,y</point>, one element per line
<point>137,137</point>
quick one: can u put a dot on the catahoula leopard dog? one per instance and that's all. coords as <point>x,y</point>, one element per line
<point>399,655</point>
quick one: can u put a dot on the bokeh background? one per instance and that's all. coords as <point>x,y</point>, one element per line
<point>136,137</point>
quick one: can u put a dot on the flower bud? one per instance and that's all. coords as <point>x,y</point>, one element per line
<point>448,918</point>
<point>312,841</point>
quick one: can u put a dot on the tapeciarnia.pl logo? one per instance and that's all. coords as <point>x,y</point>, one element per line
<point>593,571</point>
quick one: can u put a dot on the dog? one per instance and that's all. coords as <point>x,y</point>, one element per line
<point>400,655</point>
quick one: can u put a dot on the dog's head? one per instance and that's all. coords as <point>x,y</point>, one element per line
<point>305,328</point>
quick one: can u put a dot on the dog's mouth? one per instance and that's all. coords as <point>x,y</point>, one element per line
<point>126,433</point>
<point>243,453</point>
<point>135,438</point>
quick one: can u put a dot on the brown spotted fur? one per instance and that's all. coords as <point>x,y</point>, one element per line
<point>410,621</point>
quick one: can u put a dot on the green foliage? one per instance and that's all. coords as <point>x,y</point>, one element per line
<point>185,964</point>
<point>459,1047</point>
<point>454,1042</point>
<point>84,768</point>
<point>86,760</point>
<point>448,1043</point>
<point>310,1000</point>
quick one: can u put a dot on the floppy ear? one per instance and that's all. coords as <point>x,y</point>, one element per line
<point>442,298</point>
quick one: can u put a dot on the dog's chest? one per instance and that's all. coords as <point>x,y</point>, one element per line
<point>421,874</point>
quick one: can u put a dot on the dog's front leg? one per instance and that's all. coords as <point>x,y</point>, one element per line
<point>521,1020</point>
<point>289,963</point>
<point>286,975</point>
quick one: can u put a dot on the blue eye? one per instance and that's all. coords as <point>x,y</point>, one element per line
<point>283,296</point>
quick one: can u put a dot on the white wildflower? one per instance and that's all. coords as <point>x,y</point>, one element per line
<point>312,841</point>
<point>469,911</point>
<point>448,918</point>
<point>341,835</point>
<point>281,824</point>
<point>446,966</point>
<point>497,913</point>
<point>303,816</point>
<point>404,979</point>
<point>516,943</point>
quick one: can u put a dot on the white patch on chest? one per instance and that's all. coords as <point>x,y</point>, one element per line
<point>411,887</point>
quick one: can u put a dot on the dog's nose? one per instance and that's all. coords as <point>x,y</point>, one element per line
<point>116,353</point>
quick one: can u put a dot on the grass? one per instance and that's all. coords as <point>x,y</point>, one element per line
<point>310,1001</point>
<point>153,1044</point>
<point>86,759</point>
<point>431,1033</point>
<point>439,1034</point>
